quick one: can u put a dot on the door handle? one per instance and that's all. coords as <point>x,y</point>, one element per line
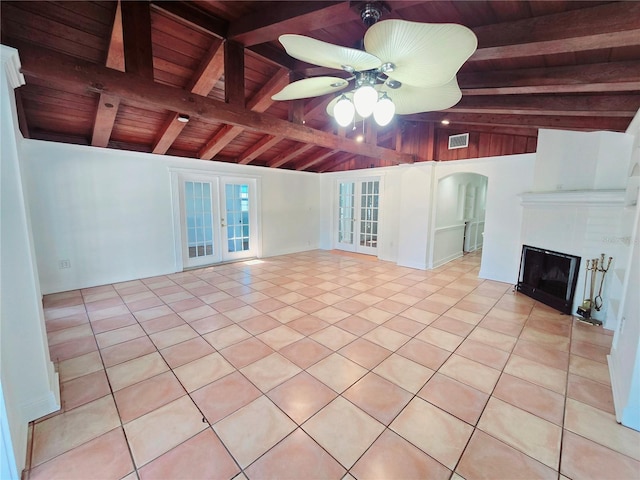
<point>222,224</point>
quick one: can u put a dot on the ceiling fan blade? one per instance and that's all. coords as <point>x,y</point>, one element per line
<point>328,55</point>
<point>409,99</point>
<point>310,87</point>
<point>423,54</point>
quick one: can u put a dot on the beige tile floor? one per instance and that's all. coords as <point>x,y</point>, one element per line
<point>326,365</point>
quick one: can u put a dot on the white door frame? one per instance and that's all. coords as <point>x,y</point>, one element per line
<point>177,178</point>
<point>357,181</point>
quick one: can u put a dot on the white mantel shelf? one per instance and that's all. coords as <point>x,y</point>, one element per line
<point>585,198</point>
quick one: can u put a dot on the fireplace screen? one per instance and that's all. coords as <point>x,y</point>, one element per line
<point>549,277</point>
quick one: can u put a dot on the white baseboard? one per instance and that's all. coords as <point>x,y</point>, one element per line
<point>447,259</point>
<point>615,388</point>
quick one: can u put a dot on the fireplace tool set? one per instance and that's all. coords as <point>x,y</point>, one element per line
<point>594,302</point>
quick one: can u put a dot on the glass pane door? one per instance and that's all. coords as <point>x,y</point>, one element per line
<point>238,221</point>
<point>358,216</point>
<point>198,202</point>
<point>346,215</point>
<point>369,204</point>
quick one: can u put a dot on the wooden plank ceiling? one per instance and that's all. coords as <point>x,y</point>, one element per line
<point>121,76</point>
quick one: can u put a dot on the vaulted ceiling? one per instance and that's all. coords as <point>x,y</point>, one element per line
<point>119,75</point>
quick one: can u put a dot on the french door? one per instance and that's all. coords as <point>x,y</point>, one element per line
<point>217,219</point>
<point>358,216</point>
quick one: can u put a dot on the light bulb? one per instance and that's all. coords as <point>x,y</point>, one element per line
<point>384,110</point>
<point>365,99</point>
<point>343,111</point>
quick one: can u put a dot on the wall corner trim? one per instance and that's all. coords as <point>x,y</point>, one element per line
<point>11,63</point>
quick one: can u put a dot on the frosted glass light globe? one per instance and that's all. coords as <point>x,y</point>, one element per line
<point>384,111</point>
<point>365,99</point>
<point>344,111</point>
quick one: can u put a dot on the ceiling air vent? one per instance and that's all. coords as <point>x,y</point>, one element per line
<point>459,141</point>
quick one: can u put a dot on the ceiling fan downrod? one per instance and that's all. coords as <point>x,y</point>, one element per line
<point>370,13</point>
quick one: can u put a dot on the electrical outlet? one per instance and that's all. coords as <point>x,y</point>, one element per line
<point>64,264</point>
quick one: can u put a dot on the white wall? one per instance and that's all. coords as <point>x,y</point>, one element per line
<point>109,212</point>
<point>624,360</point>
<point>581,160</point>
<point>409,210</point>
<point>28,381</point>
<point>507,177</point>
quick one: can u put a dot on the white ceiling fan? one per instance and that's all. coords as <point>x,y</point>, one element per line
<point>405,67</point>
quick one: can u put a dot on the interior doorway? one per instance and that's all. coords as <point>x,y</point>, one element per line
<point>459,218</point>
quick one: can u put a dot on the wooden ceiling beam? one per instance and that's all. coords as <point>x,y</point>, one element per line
<point>136,36</point>
<point>268,23</point>
<point>597,41</point>
<point>257,149</point>
<point>221,139</point>
<point>587,123</point>
<point>72,74</point>
<point>105,119</point>
<point>107,109</point>
<point>170,130</point>
<point>456,128</point>
<point>188,13</point>
<point>259,103</point>
<point>289,155</point>
<point>592,22</point>
<point>335,161</point>
<point>115,54</point>
<point>575,105</point>
<point>315,159</point>
<point>597,77</point>
<point>209,71</point>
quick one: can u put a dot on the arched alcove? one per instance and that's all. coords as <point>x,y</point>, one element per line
<point>459,218</point>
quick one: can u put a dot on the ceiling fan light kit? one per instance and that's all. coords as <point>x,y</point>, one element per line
<point>406,67</point>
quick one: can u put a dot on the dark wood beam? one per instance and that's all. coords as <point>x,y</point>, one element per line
<point>289,155</point>
<point>456,128</point>
<point>136,34</point>
<point>617,124</point>
<point>597,41</point>
<point>575,105</point>
<point>209,71</point>
<point>268,23</point>
<point>105,119</point>
<point>188,13</point>
<point>108,105</point>
<point>234,73</point>
<point>597,77</point>
<point>335,161</point>
<point>257,149</point>
<point>72,74</point>
<point>584,23</point>
<point>274,55</point>
<point>115,54</point>
<point>261,101</point>
<point>221,139</point>
<point>170,130</point>
<point>315,159</point>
